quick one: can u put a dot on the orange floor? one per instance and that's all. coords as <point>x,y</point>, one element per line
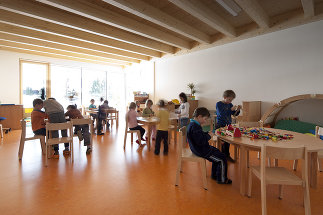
<point>134,181</point>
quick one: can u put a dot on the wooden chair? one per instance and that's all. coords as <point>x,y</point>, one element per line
<point>52,141</point>
<point>280,175</point>
<point>172,128</point>
<point>112,115</point>
<point>318,132</point>
<point>85,121</point>
<point>23,139</point>
<point>130,132</point>
<point>1,131</point>
<point>185,154</point>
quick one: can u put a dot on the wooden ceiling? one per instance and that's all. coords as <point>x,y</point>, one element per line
<point>123,32</point>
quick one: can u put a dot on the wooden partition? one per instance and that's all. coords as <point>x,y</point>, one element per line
<point>13,113</point>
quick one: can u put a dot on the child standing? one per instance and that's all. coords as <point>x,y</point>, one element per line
<point>224,111</point>
<point>162,128</point>
<point>132,121</point>
<point>183,110</point>
<point>148,112</point>
<point>199,143</point>
<point>56,114</point>
<point>38,118</point>
<point>81,130</point>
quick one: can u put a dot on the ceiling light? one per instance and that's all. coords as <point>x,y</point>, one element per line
<point>230,6</point>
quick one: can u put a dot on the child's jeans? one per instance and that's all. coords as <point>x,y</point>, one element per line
<point>161,135</point>
<point>41,131</point>
<point>85,133</point>
<point>184,122</point>
<point>219,164</point>
<point>141,129</point>
<point>58,118</point>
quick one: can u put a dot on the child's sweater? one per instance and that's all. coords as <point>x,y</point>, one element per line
<point>147,111</point>
<point>198,139</point>
<point>223,113</point>
<point>38,120</point>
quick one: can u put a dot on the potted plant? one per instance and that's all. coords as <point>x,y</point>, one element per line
<point>191,86</point>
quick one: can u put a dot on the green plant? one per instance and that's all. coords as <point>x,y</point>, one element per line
<point>191,86</point>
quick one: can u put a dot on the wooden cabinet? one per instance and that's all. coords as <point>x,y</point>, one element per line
<point>13,113</point>
<point>251,111</point>
<point>193,105</point>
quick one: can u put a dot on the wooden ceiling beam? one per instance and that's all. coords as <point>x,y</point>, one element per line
<point>53,28</point>
<point>33,52</point>
<point>308,7</point>
<point>255,11</point>
<point>50,14</point>
<point>29,33</point>
<point>104,15</point>
<point>57,52</point>
<point>206,15</point>
<point>155,15</point>
<point>51,45</point>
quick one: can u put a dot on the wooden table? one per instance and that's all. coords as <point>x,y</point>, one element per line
<point>312,144</point>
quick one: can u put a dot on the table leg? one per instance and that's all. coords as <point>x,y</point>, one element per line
<point>312,158</point>
<point>243,171</point>
<point>148,136</point>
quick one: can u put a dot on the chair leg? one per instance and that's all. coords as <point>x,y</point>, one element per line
<point>72,151</point>
<point>21,148</point>
<point>42,144</point>
<point>295,165</point>
<point>179,167</point>
<point>203,168</point>
<point>248,159</point>
<point>249,183</point>
<point>307,203</point>
<point>131,138</point>
<point>319,166</point>
<point>1,131</point>
<point>46,158</point>
<point>263,197</point>
<point>125,140</point>
<point>280,188</point>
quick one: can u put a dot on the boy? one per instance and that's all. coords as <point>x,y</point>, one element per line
<point>162,128</point>
<point>199,143</point>
<point>38,118</point>
<point>224,111</point>
<point>55,112</point>
<point>81,130</point>
<point>92,105</point>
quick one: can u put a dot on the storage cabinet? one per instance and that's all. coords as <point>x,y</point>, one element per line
<point>251,111</point>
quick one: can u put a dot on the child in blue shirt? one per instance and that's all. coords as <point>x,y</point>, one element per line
<point>199,143</point>
<point>224,111</point>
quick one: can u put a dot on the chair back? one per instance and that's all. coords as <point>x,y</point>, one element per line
<point>58,126</point>
<point>87,121</point>
<point>318,131</point>
<point>283,153</point>
<point>250,124</point>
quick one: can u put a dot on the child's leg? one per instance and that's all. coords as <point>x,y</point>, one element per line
<point>158,140</point>
<point>86,135</point>
<point>165,138</point>
<point>226,149</point>
<point>41,131</point>
<point>219,165</point>
<point>142,131</point>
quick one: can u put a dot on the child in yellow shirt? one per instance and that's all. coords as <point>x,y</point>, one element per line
<point>162,128</point>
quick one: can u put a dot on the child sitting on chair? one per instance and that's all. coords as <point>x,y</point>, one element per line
<point>138,109</point>
<point>38,117</point>
<point>81,130</point>
<point>132,121</point>
<point>162,128</point>
<point>224,111</point>
<point>199,143</point>
<point>148,112</point>
<point>102,115</point>
<point>55,113</point>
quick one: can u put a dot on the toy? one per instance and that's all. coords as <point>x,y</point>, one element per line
<point>237,132</point>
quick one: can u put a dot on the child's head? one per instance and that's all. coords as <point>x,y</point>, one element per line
<point>161,103</point>
<point>132,106</point>
<point>101,99</point>
<point>183,97</point>
<point>201,114</point>
<point>106,102</point>
<point>149,103</point>
<point>228,96</point>
<point>38,104</point>
<point>138,103</point>
<point>71,107</point>
<point>92,101</point>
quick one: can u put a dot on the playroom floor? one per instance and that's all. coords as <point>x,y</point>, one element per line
<point>134,181</point>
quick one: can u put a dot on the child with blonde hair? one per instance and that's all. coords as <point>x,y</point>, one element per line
<point>132,121</point>
<point>162,128</point>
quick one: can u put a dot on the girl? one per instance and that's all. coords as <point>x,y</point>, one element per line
<point>148,112</point>
<point>132,121</point>
<point>183,110</point>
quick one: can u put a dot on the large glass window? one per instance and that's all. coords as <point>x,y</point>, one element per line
<point>116,89</point>
<point>66,85</point>
<point>94,86</point>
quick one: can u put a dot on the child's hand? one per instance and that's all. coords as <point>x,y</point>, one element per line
<point>234,108</point>
<point>239,107</point>
<point>211,133</point>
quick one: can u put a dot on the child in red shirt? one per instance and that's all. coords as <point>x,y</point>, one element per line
<point>38,118</point>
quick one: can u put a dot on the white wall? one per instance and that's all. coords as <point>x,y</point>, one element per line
<point>9,72</point>
<point>268,68</point>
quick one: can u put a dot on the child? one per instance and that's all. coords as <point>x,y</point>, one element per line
<point>38,118</point>
<point>198,142</point>
<point>138,109</point>
<point>102,115</point>
<point>183,110</point>
<point>162,128</point>
<point>81,130</point>
<point>92,105</point>
<point>132,121</point>
<point>148,112</point>
<point>55,112</point>
<point>224,111</point>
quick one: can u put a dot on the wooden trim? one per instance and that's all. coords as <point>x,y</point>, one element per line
<point>255,11</point>
<point>155,15</point>
<point>308,7</point>
<point>30,33</point>
<point>206,15</point>
<point>50,14</point>
<point>48,27</point>
<point>106,16</point>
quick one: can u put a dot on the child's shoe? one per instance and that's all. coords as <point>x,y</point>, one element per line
<point>56,155</point>
<point>137,141</point>
<point>144,139</point>
<point>165,152</point>
<point>80,136</point>
<point>66,151</point>
<point>88,150</point>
